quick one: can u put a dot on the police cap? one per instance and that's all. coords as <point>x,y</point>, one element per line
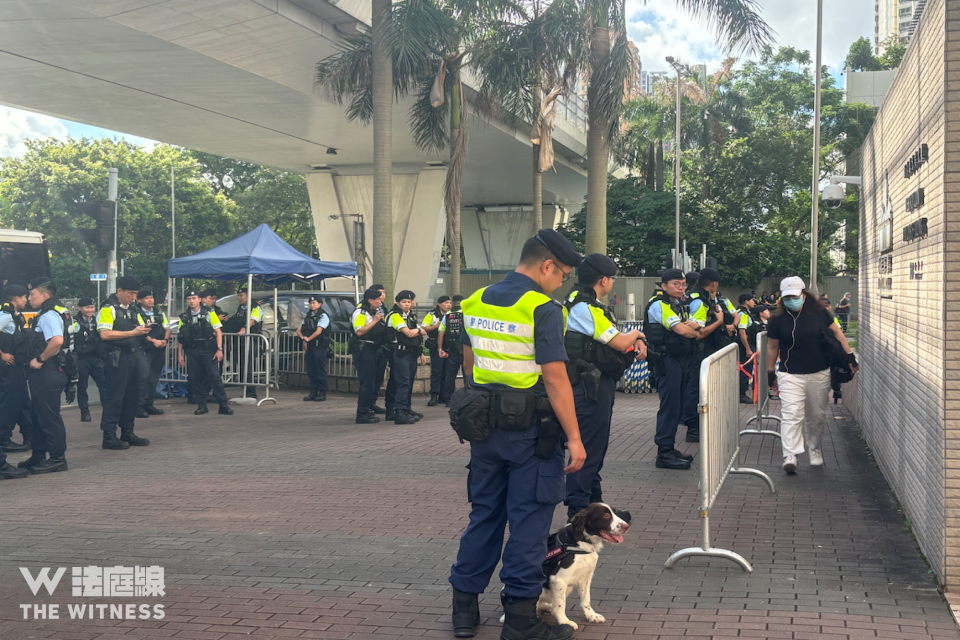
<point>406,294</point>
<point>443,299</point>
<point>671,274</point>
<point>242,289</point>
<point>208,293</point>
<point>42,281</point>
<point>710,274</point>
<point>14,291</point>
<point>85,302</point>
<point>372,294</point>
<point>316,298</point>
<point>745,296</point>
<point>194,292</point>
<point>457,299</point>
<point>760,308</point>
<point>560,247</point>
<point>144,293</point>
<point>692,277</point>
<point>128,283</point>
<point>604,265</point>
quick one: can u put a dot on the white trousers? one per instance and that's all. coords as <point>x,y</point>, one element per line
<point>804,400</point>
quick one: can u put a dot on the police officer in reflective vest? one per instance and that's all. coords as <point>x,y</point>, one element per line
<point>438,364</point>
<point>200,349</point>
<point>154,350</point>
<point>599,355</point>
<point>14,396</point>
<point>89,350</point>
<point>406,342</point>
<point>704,309</point>
<point>670,337</point>
<point>316,342</point>
<point>209,300</point>
<point>747,302</point>
<point>450,348</point>
<point>371,335</point>
<point>513,351</point>
<point>256,328</point>
<point>49,336</point>
<point>122,333</point>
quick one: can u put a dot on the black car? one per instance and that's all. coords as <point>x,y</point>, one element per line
<point>293,305</point>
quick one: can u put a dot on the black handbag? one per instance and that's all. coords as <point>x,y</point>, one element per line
<point>836,357</point>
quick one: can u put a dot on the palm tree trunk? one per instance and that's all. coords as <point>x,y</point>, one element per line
<point>598,151</point>
<point>650,175</point>
<point>382,68</point>
<point>453,194</point>
<point>659,165</point>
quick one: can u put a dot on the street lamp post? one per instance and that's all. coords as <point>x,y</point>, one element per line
<point>173,232</point>
<point>815,188</point>
<point>676,172</point>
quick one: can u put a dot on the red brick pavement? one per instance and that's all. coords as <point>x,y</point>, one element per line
<point>290,521</point>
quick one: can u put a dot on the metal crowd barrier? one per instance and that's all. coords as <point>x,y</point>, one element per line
<point>762,390</point>
<point>719,445</point>
<point>636,379</point>
<point>291,358</point>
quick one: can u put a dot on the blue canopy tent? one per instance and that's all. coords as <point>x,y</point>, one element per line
<point>257,256</point>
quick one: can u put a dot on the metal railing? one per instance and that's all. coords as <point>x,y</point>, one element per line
<point>762,390</point>
<point>719,445</point>
<point>291,359</point>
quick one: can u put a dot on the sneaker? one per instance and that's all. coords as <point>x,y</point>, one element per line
<point>816,458</point>
<point>790,463</point>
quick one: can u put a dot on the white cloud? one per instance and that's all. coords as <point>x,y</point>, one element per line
<point>17,126</point>
<point>660,29</point>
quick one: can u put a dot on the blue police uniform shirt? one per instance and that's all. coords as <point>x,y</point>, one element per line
<point>324,321</point>
<point>548,320</point>
<point>6,323</point>
<point>51,325</point>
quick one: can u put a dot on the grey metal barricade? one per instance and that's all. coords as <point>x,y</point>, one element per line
<point>340,363</point>
<point>719,445</point>
<point>763,393</point>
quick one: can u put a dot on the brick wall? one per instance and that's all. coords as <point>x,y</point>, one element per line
<point>909,389</point>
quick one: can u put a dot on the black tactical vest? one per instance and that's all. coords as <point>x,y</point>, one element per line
<point>310,323</point>
<point>377,335</point>
<point>53,304</point>
<point>660,339</point>
<point>87,340</point>
<point>611,362</point>
<point>400,340</point>
<point>124,320</point>
<point>453,331</point>
<point>14,343</point>
<point>240,318</point>
<point>196,332</point>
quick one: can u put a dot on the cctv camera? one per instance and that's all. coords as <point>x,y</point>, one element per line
<point>833,196</point>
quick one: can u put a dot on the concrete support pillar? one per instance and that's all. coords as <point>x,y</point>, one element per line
<point>494,236</point>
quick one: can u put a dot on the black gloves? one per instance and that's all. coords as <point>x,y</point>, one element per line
<point>771,378</point>
<point>852,359</point>
<point>70,392</point>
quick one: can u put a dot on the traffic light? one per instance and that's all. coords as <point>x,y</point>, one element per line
<point>104,213</point>
<point>666,262</point>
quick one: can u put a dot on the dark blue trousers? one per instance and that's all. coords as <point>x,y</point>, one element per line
<point>403,371</point>
<point>583,487</point>
<point>204,370</point>
<point>452,368</point>
<point>89,366</point>
<point>691,391</point>
<point>316,359</point>
<point>508,483</point>
<point>671,387</point>
<point>367,362</point>
<point>119,403</point>
<point>15,407</point>
<point>46,388</point>
<point>438,370</point>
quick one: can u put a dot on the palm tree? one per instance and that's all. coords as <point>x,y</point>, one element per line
<point>737,25</point>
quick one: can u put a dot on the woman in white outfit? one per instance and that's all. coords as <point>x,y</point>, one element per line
<point>804,379</point>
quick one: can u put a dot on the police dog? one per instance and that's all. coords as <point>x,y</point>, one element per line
<point>572,555</point>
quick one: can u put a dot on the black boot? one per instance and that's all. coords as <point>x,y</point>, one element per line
<point>520,622</point>
<point>434,400</point>
<point>111,441</point>
<point>683,456</point>
<point>9,446</point>
<point>201,409</point>
<point>153,411</point>
<point>745,399</point>
<point>466,614</point>
<point>367,417</point>
<point>84,415</point>
<point>404,417</point>
<point>416,414</point>
<point>311,397</point>
<point>9,472</point>
<point>32,461</point>
<point>391,414</point>
<point>572,511</point>
<point>666,459</point>
<point>225,410</point>
<point>321,396</point>
<point>141,414</point>
<point>693,434</point>
<point>128,436</point>
<point>377,410</point>
<point>54,464</point>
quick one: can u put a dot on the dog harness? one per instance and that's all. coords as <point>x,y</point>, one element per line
<point>559,546</point>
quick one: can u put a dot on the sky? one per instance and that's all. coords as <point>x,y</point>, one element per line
<point>657,27</point>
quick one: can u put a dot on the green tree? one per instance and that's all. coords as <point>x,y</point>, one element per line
<point>861,58</point>
<point>894,50</point>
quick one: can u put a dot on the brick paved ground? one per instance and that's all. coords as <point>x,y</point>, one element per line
<point>290,521</point>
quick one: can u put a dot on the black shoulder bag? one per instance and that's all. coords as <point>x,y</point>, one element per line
<point>836,357</point>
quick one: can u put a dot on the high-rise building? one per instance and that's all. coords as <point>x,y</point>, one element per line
<point>895,18</point>
<point>650,78</point>
<point>631,85</point>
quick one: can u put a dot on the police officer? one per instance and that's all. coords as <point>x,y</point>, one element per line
<point>316,341</point>
<point>49,337</point>
<point>14,396</point>
<point>431,323</point>
<point>89,349</point>
<point>153,352</point>
<point>599,355</point>
<point>121,332</point>
<point>450,348</point>
<point>256,327</point>
<point>199,349</point>
<point>513,347</point>
<point>670,337</point>
<point>209,300</point>
<point>747,302</point>
<point>704,308</point>
<point>407,344</point>
<point>382,360</point>
<point>371,335</point>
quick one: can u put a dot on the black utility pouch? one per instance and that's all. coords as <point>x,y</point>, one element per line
<point>550,430</point>
<point>470,414</point>
<point>514,409</point>
<point>112,359</point>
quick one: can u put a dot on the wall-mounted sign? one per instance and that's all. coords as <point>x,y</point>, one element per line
<point>915,230</point>
<point>916,161</point>
<point>915,200</point>
<point>885,281</point>
<point>916,270</point>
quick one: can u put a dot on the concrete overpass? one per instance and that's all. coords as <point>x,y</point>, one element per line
<point>236,78</point>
